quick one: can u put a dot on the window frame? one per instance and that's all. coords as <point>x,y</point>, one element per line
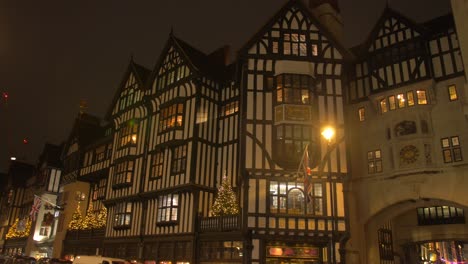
<point>122,212</point>
<point>374,158</point>
<point>451,149</point>
<point>157,165</point>
<point>452,92</point>
<point>128,135</point>
<point>362,114</point>
<point>163,204</point>
<point>280,194</point>
<point>123,174</point>
<point>179,159</point>
<point>171,117</point>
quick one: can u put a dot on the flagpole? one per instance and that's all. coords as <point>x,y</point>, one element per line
<point>47,201</point>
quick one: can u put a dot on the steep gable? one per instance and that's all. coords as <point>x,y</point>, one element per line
<point>392,28</point>
<point>131,88</point>
<point>295,31</point>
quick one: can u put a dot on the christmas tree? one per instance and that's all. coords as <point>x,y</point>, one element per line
<point>76,222</point>
<point>90,221</point>
<point>13,231</point>
<point>102,218</point>
<point>226,202</point>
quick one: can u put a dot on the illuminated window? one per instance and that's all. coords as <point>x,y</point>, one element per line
<point>293,89</point>
<point>157,162</point>
<point>123,215</point>
<point>123,173</point>
<point>410,97</point>
<point>128,134</point>
<point>231,108</point>
<point>374,161</point>
<point>179,159</point>
<point>401,100</point>
<point>440,215</point>
<point>422,99</point>
<point>383,106</point>
<point>290,198</point>
<point>452,90</point>
<point>362,114</point>
<point>391,102</point>
<point>451,149</point>
<point>171,117</point>
<point>168,208</point>
<point>294,44</point>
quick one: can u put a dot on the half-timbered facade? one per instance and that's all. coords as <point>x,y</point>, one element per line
<point>95,171</point>
<point>407,93</point>
<point>291,88</point>
<point>128,119</point>
<point>73,192</point>
<point>45,188</point>
<point>16,208</point>
<point>397,106</point>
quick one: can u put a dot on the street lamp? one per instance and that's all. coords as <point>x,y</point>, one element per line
<point>328,134</point>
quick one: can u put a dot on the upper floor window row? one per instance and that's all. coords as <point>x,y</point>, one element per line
<point>296,44</point>
<point>128,134</point>
<point>171,116</point>
<point>293,89</point>
<point>123,174</point>
<point>129,98</point>
<point>440,215</point>
<point>403,100</point>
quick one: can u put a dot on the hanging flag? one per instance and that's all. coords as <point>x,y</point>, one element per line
<point>307,172</point>
<point>35,208</point>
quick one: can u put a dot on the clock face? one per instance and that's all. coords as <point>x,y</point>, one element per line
<point>409,154</point>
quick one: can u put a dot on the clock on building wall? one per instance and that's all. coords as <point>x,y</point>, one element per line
<point>409,154</point>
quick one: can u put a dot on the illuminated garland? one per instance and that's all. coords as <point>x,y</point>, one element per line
<point>90,221</point>
<point>13,231</point>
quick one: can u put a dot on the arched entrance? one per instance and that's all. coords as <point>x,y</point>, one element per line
<point>418,231</point>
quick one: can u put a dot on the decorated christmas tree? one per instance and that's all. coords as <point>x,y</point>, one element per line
<point>90,221</point>
<point>15,232</point>
<point>102,218</point>
<point>225,202</point>
<point>77,219</point>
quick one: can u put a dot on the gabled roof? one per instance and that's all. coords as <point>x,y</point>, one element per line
<point>212,65</point>
<point>86,129</point>
<point>50,156</point>
<point>301,6</point>
<point>387,13</point>
<point>141,75</point>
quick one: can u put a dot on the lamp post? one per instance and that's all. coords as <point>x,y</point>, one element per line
<point>328,134</point>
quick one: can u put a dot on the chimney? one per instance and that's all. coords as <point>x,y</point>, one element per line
<point>328,13</point>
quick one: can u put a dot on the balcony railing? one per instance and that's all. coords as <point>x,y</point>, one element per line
<point>220,223</point>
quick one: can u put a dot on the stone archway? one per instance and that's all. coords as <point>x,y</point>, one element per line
<point>402,219</point>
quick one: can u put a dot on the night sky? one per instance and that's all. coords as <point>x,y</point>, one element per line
<point>55,53</point>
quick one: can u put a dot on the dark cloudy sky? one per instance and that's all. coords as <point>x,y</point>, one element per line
<point>54,53</point>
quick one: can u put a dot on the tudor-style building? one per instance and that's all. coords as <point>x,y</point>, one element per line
<point>387,188</point>
<point>407,109</point>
